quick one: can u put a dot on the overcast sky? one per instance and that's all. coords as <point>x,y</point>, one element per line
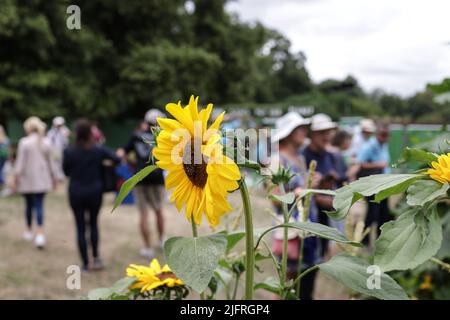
<point>396,45</point>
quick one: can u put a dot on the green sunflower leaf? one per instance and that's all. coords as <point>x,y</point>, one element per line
<point>306,192</point>
<point>126,188</point>
<point>424,191</point>
<point>358,275</point>
<point>287,198</point>
<point>270,284</point>
<point>234,237</point>
<point>408,241</point>
<point>100,294</point>
<point>194,260</point>
<point>413,154</point>
<point>380,185</point>
<point>122,285</point>
<point>315,229</point>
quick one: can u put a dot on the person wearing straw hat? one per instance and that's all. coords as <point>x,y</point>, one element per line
<point>34,176</point>
<point>291,131</point>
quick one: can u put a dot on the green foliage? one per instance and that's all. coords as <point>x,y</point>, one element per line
<point>306,192</point>
<point>312,229</point>
<point>128,186</point>
<point>380,185</point>
<point>414,154</point>
<point>132,55</point>
<point>444,251</point>
<point>442,87</point>
<point>408,241</point>
<point>424,191</point>
<point>234,237</point>
<point>287,198</point>
<point>119,291</point>
<point>170,72</point>
<point>353,273</point>
<point>194,260</point>
<point>270,284</point>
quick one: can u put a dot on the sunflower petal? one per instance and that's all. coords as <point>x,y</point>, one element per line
<point>182,115</point>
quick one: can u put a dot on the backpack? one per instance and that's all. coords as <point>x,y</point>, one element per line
<point>144,142</point>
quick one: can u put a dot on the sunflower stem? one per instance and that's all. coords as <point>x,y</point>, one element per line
<point>304,273</point>
<point>236,285</point>
<point>194,228</point>
<point>250,253</point>
<point>285,242</point>
<point>195,235</point>
<point>305,218</point>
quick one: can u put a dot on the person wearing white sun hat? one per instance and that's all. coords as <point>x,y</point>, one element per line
<point>286,124</point>
<point>291,130</point>
<point>322,122</point>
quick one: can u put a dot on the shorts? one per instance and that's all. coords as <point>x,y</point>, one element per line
<point>149,196</point>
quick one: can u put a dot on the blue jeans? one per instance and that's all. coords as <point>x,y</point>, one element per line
<point>34,202</point>
<point>2,163</point>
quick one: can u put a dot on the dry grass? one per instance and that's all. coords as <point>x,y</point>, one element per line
<point>28,273</point>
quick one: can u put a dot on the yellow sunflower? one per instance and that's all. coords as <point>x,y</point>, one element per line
<point>152,277</point>
<point>441,169</point>
<point>192,154</point>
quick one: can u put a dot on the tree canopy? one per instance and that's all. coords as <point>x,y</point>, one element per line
<point>131,55</point>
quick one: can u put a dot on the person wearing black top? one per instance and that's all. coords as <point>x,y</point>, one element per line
<point>83,164</point>
<point>149,192</point>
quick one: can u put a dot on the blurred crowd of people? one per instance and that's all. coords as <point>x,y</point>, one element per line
<point>341,157</point>
<point>45,159</point>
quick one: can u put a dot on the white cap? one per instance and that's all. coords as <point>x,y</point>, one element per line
<point>59,121</point>
<point>152,114</point>
<point>321,122</point>
<point>367,125</point>
<point>288,123</point>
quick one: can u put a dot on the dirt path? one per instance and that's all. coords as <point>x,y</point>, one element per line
<point>28,273</point>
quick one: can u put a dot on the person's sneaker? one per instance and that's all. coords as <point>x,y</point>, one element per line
<point>161,243</point>
<point>28,235</point>
<point>39,241</point>
<point>98,264</point>
<point>147,253</point>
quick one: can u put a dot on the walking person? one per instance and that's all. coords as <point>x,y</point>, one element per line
<point>59,138</point>
<point>149,192</point>
<point>4,146</point>
<point>363,133</point>
<point>82,163</point>
<point>34,176</point>
<point>347,167</point>
<point>97,133</point>
<point>374,158</point>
